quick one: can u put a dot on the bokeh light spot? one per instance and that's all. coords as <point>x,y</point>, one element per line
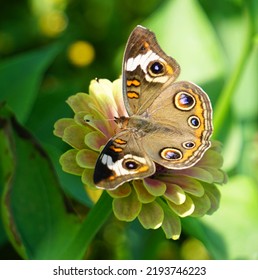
<point>193,249</point>
<point>52,23</point>
<point>81,53</point>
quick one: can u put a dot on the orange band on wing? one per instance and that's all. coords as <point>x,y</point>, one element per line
<point>143,168</point>
<point>134,82</point>
<point>120,141</point>
<point>116,149</point>
<point>169,69</point>
<point>132,94</point>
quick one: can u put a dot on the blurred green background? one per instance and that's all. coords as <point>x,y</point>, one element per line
<point>51,49</point>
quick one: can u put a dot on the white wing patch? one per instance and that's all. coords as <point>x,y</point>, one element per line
<point>117,166</point>
<point>144,60</point>
<point>141,59</point>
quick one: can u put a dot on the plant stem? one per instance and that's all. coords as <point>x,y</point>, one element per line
<point>223,104</point>
<point>90,226</point>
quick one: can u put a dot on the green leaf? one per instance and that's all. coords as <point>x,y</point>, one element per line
<point>79,243</point>
<point>34,214</point>
<point>236,221</point>
<point>20,79</point>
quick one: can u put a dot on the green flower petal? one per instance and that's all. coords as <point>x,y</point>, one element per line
<point>214,196</point>
<point>218,175</point>
<point>80,102</point>
<point>154,187</point>
<point>211,159</point>
<point>202,205</point>
<point>74,136</point>
<point>101,91</point>
<point>99,122</point>
<point>143,195</point>
<point>216,146</point>
<point>127,208</point>
<point>79,118</point>
<point>95,140</point>
<point>61,125</point>
<point>118,97</point>
<point>197,173</point>
<point>87,178</point>
<point>69,164</point>
<point>86,158</point>
<point>175,194</point>
<point>123,191</point>
<point>188,184</point>
<point>151,215</point>
<point>171,224</point>
<point>183,210</point>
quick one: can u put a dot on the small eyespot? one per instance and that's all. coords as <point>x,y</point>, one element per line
<point>145,46</point>
<point>156,68</point>
<point>171,154</point>
<point>194,121</point>
<point>184,101</point>
<point>130,164</point>
<point>188,145</point>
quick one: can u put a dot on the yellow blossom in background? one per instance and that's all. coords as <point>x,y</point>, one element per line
<point>52,23</point>
<point>51,16</point>
<point>81,53</point>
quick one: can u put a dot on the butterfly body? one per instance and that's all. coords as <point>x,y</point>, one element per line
<point>169,123</point>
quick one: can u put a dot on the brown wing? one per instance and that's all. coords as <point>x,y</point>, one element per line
<point>182,118</point>
<point>122,159</point>
<point>147,70</point>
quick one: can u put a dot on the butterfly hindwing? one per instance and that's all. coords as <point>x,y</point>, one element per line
<point>182,119</point>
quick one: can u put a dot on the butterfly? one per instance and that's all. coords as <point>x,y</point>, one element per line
<point>169,123</point>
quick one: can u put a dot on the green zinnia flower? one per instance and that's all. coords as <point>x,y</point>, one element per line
<point>159,201</point>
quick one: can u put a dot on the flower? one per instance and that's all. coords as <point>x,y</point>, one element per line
<point>159,201</point>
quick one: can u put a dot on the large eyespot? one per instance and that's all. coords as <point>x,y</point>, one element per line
<point>156,68</point>
<point>194,121</point>
<point>130,164</point>
<point>171,154</point>
<point>184,101</point>
<point>188,145</point>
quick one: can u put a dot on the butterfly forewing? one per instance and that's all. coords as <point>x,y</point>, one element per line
<point>122,159</point>
<point>147,70</point>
